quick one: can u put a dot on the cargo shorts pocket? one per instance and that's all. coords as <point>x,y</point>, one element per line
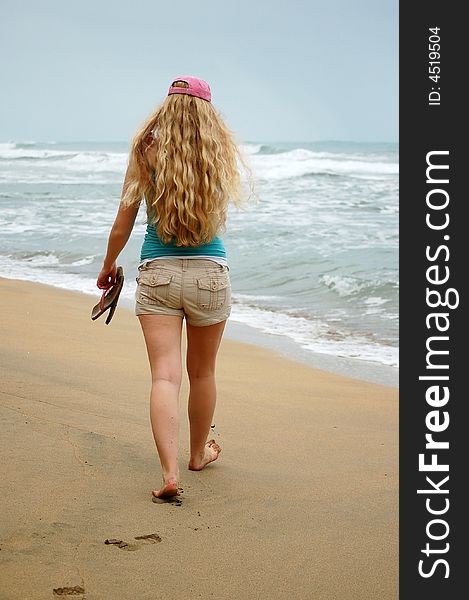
<point>213,291</point>
<point>153,288</point>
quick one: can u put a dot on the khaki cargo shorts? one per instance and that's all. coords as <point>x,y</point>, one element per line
<point>199,289</point>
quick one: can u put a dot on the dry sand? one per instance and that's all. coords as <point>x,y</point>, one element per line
<point>302,503</point>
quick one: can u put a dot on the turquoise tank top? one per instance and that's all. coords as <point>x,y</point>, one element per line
<point>153,247</point>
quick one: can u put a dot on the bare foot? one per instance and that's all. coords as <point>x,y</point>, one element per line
<point>211,452</point>
<point>170,488</point>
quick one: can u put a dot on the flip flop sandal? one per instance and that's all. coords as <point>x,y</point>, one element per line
<point>109,298</point>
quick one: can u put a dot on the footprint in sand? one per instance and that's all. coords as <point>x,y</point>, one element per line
<point>122,545</point>
<point>76,590</point>
<point>176,500</point>
<point>151,538</point>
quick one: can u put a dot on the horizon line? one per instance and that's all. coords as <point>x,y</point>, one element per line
<point>97,141</point>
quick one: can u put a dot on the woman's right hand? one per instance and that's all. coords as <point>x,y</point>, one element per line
<point>107,277</point>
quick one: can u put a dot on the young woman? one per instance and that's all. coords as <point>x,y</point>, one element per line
<point>183,163</point>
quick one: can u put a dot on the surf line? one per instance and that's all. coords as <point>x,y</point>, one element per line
<point>440,299</point>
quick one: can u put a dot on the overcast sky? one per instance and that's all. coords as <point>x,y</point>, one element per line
<point>279,71</point>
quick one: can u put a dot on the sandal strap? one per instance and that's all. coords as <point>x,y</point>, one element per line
<point>103,296</point>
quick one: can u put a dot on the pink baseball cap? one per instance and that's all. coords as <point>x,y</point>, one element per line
<point>197,87</point>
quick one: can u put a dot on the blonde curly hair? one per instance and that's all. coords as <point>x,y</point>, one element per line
<point>184,162</point>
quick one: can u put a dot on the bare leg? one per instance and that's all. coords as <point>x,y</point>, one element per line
<point>163,339</point>
<point>202,348</point>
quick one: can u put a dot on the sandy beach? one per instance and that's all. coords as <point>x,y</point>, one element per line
<point>302,503</point>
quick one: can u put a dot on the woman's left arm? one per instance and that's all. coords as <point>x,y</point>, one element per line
<point>118,237</point>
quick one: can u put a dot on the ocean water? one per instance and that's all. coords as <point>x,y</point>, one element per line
<point>314,261</point>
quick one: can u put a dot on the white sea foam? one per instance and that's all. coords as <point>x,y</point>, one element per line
<point>249,149</point>
<point>6,146</point>
<point>316,335</point>
<point>27,271</point>
<point>58,177</point>
<point>86,260</point>
<point>344,286</point>
<point>38,273</point>
<point>376,301</point>
<point>300,162</point>
<point>50,260</point>
<point>98,161</point>
<point>12,152</point>
<point>250,298</point>
<point>45,259</point>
